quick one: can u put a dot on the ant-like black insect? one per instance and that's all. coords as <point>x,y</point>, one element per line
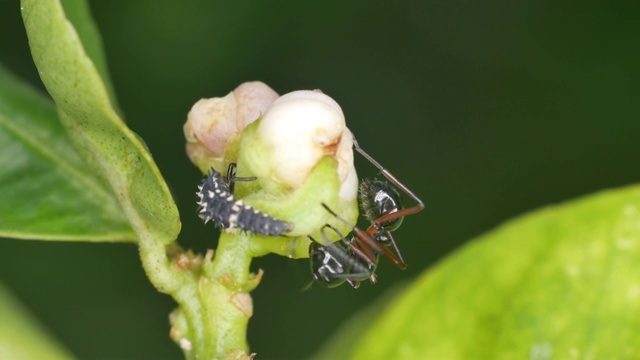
<point>383,208</point>
<point>336,262</point>
<point>356,260</point>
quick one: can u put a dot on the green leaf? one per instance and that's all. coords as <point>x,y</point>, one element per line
<point>112,150</point>
<point>21,337</point>
<point>45,189</point>
<point>561,283</point>
<point>78,13</point>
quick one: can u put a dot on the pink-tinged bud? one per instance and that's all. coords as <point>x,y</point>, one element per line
<point>214,125</point>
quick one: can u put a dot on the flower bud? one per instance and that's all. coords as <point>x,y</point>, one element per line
<point>298,130</point>
<point>214,125</point>
<point>301,153</point>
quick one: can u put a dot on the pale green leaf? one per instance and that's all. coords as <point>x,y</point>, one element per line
<point>560,283</point>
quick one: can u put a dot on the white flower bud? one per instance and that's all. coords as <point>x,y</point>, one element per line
<point>299,151</point>
<point>299,129</point>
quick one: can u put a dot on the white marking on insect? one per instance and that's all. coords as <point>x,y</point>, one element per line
<point>220,206</point>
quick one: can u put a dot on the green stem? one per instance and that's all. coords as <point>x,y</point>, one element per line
<point>216,304</point>
<point>224,295</point>
<point>158,268</point>
<point>179,283</point>
<point>232,258</point>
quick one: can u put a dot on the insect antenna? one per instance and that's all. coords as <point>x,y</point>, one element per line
<point>403,212</point>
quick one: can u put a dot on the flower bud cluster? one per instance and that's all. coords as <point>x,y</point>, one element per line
<point>296,146</point>
<point>295,132</point>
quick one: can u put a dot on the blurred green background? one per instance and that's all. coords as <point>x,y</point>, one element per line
<point>485,110</point>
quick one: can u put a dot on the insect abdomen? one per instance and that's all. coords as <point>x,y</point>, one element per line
<point>217,204</point>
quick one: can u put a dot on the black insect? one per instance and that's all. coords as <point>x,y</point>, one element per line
<point>382,207</point>
<point>356,260</point>
<point>216,203</point>
<point>333,263</point>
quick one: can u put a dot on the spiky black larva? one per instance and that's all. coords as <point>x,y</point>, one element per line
<point>215,202</point>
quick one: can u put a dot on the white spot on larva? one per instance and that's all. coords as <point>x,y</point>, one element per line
<point>230,198</point>
<point>236,206</point>
<point>541,351</point>
<point>211,194</point>
<point>233,221</point>
<point>233,218</point>
<point>185,344</point>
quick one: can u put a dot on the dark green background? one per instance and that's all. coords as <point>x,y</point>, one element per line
<point>485,110</point>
